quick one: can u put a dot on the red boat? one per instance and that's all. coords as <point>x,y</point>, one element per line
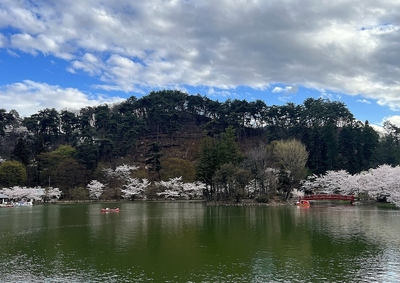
<point>115,209</point>
<point>303,203</point>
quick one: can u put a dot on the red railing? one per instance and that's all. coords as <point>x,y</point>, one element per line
<point>329,197</point>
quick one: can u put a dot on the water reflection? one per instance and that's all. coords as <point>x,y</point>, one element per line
<point>190,242</point>
<point>340,244</point>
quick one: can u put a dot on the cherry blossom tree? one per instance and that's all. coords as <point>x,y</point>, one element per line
<point>121,172</point>
<point>193,190</point>
<point>171,188</point>
<point>175,188</point>
<point>36,193</point>
<point>383,181</point>
<point>51,193</point>
<point>95,189</point>
<point>116,179</point>
<point>134,188</point>
<point>331,182</point>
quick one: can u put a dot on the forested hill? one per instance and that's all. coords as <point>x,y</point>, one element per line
<point>168,127</point>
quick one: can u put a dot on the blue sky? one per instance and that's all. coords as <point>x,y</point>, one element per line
<point>69,55</point>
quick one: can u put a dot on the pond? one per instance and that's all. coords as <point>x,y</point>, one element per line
<point>191,242</point>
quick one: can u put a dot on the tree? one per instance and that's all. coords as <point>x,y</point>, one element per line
<point>242,179</point>
<point>331,148</point>
<point>87,154</point>
<point>36,193</point>
<point>214,154</point>
<point>231,182</point>
<point>5,119</point>
<point>389,145</point>
<point>175,188</point>
<point>163,110</point>
<point>377,183</point>
<point>95,189</point>
<point>153,157</point>
<point>21,152</point>
<point>370,141</point>
<point>224,180</point>
<point>48,163</point>
<point>12,173</point>
<point>70,175</point>
<point>257,161</point>
<point>291,155</point>
<point>134,188</point>
<point>117,178</point>
<point>69,126</point>
<point>208,162</point>
<point>228,149</point>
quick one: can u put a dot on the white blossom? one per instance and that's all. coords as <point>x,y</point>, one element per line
<point>36,193</point>
<point>175,188</point>
<point>95,189</point>
<point>52,193</point>
<point>134,187</point>
<point>383,181</point>
<point>122,172</point>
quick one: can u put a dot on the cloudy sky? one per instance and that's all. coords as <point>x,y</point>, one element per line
<point>71,54</point>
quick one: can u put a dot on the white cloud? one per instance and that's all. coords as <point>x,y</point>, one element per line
<point>286,90</point>
<point>29,97</point>
<point>212,92</point>
<point>364,101</point>
<point>3,41</point>
<point>395,120</point>
<point>89,64</point>
<point>338,46</point>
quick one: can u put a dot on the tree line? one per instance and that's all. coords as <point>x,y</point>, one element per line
<point>170,133</point>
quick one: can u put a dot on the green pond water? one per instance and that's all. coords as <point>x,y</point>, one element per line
<point>191,242</point>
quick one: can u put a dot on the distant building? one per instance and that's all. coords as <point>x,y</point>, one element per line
<point>3,199</point>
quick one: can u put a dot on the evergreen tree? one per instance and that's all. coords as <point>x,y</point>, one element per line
<point>214,154</point>
<point>153,157</point>
<point>21,152</point>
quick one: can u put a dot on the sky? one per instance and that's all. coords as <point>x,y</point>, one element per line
<point>71,54</point>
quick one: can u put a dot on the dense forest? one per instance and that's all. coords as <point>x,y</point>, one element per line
<point>170,133</point>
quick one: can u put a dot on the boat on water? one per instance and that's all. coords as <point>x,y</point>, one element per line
<point>23,203</point>
<point>303,203</point>
<point>5,205</point>
<point>107,209</point>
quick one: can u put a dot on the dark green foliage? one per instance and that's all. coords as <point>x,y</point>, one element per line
<point>88,155</point>
<point>389,146</point>
<point>350,148</point>
<point>70,126</point>
<point>230,182</point>
<point>21,152</point>
<point>5,119</point>
<point>12,173</point>
<point>70,174</point>
<point>215,154</point>
<point>153,157</point>
<point>208,162</point>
